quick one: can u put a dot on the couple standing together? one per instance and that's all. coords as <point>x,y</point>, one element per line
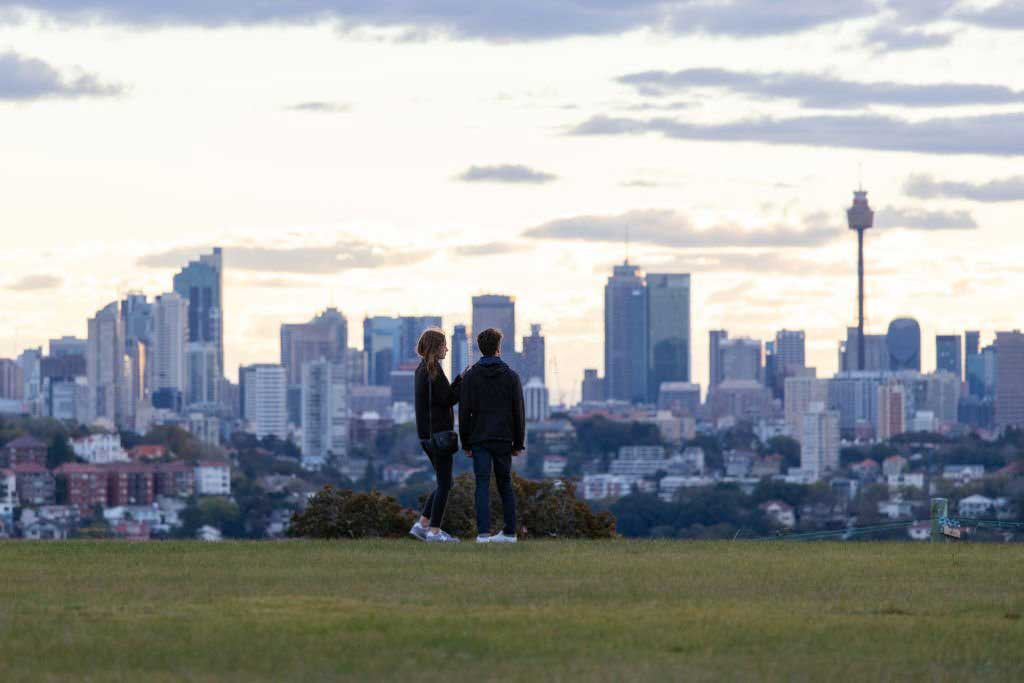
<point>492,427</point>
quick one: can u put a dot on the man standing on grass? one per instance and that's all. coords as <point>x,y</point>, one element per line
<point>492,426</point>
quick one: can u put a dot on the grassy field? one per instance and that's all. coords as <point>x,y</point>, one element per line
<point>622,610</point>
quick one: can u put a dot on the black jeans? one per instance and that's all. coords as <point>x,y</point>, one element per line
<point>438,499</point>
<point>484,456</point>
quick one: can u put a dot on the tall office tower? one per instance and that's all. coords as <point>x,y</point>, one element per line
<point>860,217</point>
<point>532,362</point>
<point>325,413</point>
<point>380,334</point>
<point>137,322</point>
<point>459,352</point>
<point>535,395</point>
<point>105,366</point>
<point>819,443</point>
<point>855,396</point>
<point>263,390</point>
<point>904,344</point>
<point>740,358</point>
<point>972,341</point>
<point>68,346</point>
<point>497,311</point>
<point>625,335</point>
<point>715,339</point>
<point>593,387</point>
<point>790,357</point>
<point>981,373</point>
<point>1009,379</point>
<point>799,393</point>
<point>12,380</point>
<point>679,398</point>
<point>892,410</point>
<point>410,327</point>
<point>200,284</point>
<point>29,362</point>
<point>325,336</point>
<point>876,353</point>
<point>947,354</point>
<point>170,334</point>
<point>668,336</point>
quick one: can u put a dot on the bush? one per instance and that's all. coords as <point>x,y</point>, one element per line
<point>338,513</point>
<point>544,509</point>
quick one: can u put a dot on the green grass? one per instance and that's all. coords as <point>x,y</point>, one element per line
<point>404,611</point>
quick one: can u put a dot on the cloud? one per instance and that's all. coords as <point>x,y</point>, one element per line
<point>32,283</point>
<point>25,79</point>
<point>922,219</point>
<point>1006,15</point>
<point>343,256</point>
<point>888,38</point>
<point>821,92</point>
<point>996,134</point>
<point>673,229</point>
<point>490,249</point>
<point>325,107</point>
<point>496,21</point>
<point>505,173</point>
<point>924,186</point>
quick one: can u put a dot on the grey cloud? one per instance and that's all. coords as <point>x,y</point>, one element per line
<point>31,283</point>
<point>27,79</point>
<point>996,134</point>
<point>925,186</point>
<point>490,249</point>
<point>822,92</point>
<point>922,219</point>
<point>505,173</point>
<point>672,229</point>
<point>318,260</point>
<point>886,38</point>
<point>746,262</point>
<point>498,21</point>
<point>1007,15</point>
<point>325,107</point>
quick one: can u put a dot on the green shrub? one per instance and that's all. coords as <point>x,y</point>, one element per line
<point>544,509</point>
<point>338,513</point>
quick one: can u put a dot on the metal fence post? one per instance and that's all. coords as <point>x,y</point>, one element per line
<point>940,509</point>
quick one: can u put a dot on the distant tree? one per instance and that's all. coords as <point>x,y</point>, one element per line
<point>130,439</point>
<point>59,451</point>
<point>788,448</point>
<point>370,475</point>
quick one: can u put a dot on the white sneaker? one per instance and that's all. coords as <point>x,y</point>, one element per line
<point>418,531</point>
<point>483,538</point>
<point>500,537</point>
<point>441,536</point>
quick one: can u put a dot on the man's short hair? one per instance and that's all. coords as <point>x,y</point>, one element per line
<point>489,341</point>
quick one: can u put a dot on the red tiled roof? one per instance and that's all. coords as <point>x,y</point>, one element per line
<point>79,468</point>
<point>25,441</point>
<point>25,467</point>
<point>148,450</point>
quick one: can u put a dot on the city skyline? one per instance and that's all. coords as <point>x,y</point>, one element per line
<point>724,152</point>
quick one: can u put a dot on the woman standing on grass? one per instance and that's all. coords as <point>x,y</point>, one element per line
<point>435,424</point>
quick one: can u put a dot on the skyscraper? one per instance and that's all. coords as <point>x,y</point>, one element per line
<point>263,391</point>
<point>903,342</point>
<point>1009,379</point>
<point>715,339</point>
<point>170,332</point>
<point>892,410</point>
<point>325,413</point>
<point>533,362</point>
<point>497,311</point>
<point>137,321</point>
<point>535,396</point>
<point>592,390</point>
<point>105,366</point>
<point>410,327</point>
<point>799,394</point>
<point>625,335</point>
<point>972,340</point>
<point>12,380</point>
<point>981,373</point>
<point>459,351</point>
<point>947,354</point>
<point>379,339</point>
<point>740,359</point>
<point>860,218</point>
<point>668,338</point>
<point>325,336</point>
<point>200,284</point>
<point>876,353</point>
<point>819,443</point>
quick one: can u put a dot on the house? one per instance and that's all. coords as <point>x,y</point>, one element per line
<point>779,512</point>
<point>148,452</point>
<point>865,470</point>
<point>280,520</point>
<point>669,487</point>
<point>738,463</point>
<point>213,478</point>
<point>100,449</point>
<point>905,481</point>
<point>601,486</point>
<point>25,449</point>
<point>843,488</point>
<point>131,530</point>
<point>398,474</point>
<point>8,493</point>
<point>49,522</point>
<point>35,485</point>
<point>554,465</point>
<point>768,466</point>
<point>963,474</point>
<point>894,465</point>
<point>975,506</point>
<point>895,508</point>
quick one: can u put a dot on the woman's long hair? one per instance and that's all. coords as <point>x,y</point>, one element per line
<point>429,348</point>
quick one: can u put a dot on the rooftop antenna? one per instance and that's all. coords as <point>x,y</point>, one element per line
<point>860,176</point>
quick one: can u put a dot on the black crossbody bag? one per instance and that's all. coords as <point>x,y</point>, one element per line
<point>441,444</point>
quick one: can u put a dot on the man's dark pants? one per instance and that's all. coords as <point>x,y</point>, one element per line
<point>499,458</point>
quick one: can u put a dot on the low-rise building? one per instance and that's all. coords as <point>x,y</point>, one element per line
<point>100,449</point>
<point>963,474</point>
<point>85,486</point>
<point>779,512</point>
<point>8,493</point>
<point>35,484</point>
<point>602,486</point>
<point>893,465</point>
<point>975,506</point>
<point>866,470</point>
<point>554,465</point>
<point>905,481</point>
<point>130,484</point>
<point>213,478</point>
<point>738,463</point>
<point>25,449</point>
<point>895,508</point>
<point>174,479</point>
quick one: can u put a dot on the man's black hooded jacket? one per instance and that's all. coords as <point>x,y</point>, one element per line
<point>491,406</point>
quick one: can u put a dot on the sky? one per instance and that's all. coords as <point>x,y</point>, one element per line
<point>399,157</point>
